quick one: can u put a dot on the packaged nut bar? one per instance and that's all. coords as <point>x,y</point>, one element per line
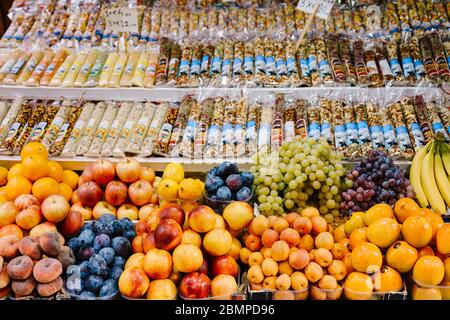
<point>407,63</point>
<point>96,69</point>
<point>383,64</point>
<point>15,108</point>
<point>444,114</point>
<point>187,143</point>
<point>271,71</point>
<point>216,65</point>
<point>213,147</point>
<point>174,64</point>
<point>313,116</point>
<point>162,142</point>
<point>229,122</point>
<point>322,59</point>
<point>415,133</point>
<point>202,130</point>
<point>364,140</point>
<point>56,124</point>
<point>150,73</point>
<point>40,128</point>
<point>335,60</point>
<point>196,64</point>
<point>107,69</point>
<point>118,70</point>
<point>62,71</point>
<point>351,130</point>
<point>238,66</point>
<point>280,63</point>
<point>227,63</point>
<point>179,126</point>
<point>89,130</point>
<point>439,56</point>
<point>300,116</point>
<point>423,118</point>
<point>419,68</point>
<point>207,57</point>
<point>185,66</point>
<point>251,131</point>
<point>163,62</point>
<point>326,120</point>
<point>362,72</point>
<point>436,123</point>
<point>130,68</point>
<point>390,139</point>
<point>115,129</point>
<point>392,54</point>
<point>85,69</point>
<point>240,128</point>
<point>302,60</point>
<point>375,125</point>
<point>13,58</point>
<point>65,131</point>
<point>140,130</point>
<point>265,128</point>
<point>27,70</point>
<point>4,109</point>
<point>404,142</point>
<point>374,75</point>
<point>291,65</point>
<point>428,61</point>
<point>289,118</point>
<point>127,130</point>
<point>74,69</point>
<point>340,137</point>
<point>347,62</point>
<point>141,67</point>
<point>313,66</point>
<point>153,129</point>
<point>77,132</point>
<point>260,61</point>
<point>38,72</point>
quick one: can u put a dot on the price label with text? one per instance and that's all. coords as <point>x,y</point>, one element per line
<point>122,19</point>
<point>324,7</point>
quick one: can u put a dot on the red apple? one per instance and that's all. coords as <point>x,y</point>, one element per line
<point>103,171</point>
<point>89,194</point>
<point>172,211</point>
<point>86,176</point>
<point>224,265</point>
<point>204,268</point>
<point>72,224</point>
<point>127,211</point>
<point>116,193</point>
<point>168,234</point>
<point>24,201</point>
<point>55,208</point>
<point>147,174</point>
<point>140,192</point>
<point>103,207</point>
<point>128,170</point>
<point>195,285</point>
<point>86,212</point>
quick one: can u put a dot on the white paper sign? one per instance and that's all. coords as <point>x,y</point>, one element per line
<point>324,7</point>
<point>122,19</point>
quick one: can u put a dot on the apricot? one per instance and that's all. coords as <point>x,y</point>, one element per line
<point>348,263</point>
<point>358,286</point>
<point>253,242</point>
<point>269,283</point>
<point>244,255</point>
<point>269,267</point>
<point>255,258</point>
<point>283,282</point>
<point>401,256</point>
<point>271,220</point>
<point>42,228</point>
<point>323,257</point>
<point>337,269</point>
<point>426,293</point>
<point>268,237</point>
<point>285,268</point>
<point>338,251</point>
<point>266,252</point>
<point>302,225</point>
<point>284,295</point>
<point>299,281</point>
<point>280,224</point>
<point>324,240</point>
<point>30,247</point>
<point>223,286</point>
<point>428,270</point>
<point>387,280</point>
<point>425,251</point>
<point>187,258</point>
<point>339,233</point>
<point>318,224</point>
<point>417,231</point>
<point>327,282</point>
<point>290,236</point>
<point>310,212</point>
<point>313,272</point>
<point>280,250</point>
<point>299,259</point>
<point>238,214</point>
<point>259,224</point>
<point>306,242</point>
<point>291,217</point>
<point>255,274</point>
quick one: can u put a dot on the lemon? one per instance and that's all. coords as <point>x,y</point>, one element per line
<point>167,189</point>
<point>174,171</point>
<point>190,189</point>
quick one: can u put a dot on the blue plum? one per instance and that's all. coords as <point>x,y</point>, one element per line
<point>234,182</point>
<point>212,184</point>
<point>115,273</point>
<point>84,269</point>
<point>86,238</point>
<point>109,288</point>
<point>101,241</point>
<point>85,254</point>
<point>223,194</point>
<point>107,218</point>
<point>75,284</point>
<point>88,226</point>
<point>121,246</point>
<point>129,234</point>
<point>107,254</point>
<point>97,265</point>
<point>127,224</point>
<point>87,295</point>
<point>119,261</point>
<point>93,283</point>
<point>247,179</point>
<point>244,194</point>
<point>74,244</point>
<point>117,227</point>
<point>226,168</point>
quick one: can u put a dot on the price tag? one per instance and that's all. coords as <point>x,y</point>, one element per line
<point>324,7</point>
<point>122,19</point>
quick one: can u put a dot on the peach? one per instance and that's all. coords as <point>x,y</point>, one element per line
<point>172,211</point>
<point>162,290</point>
<point>302,225</point>
<point>291,237</point>
<point>271,220</point>
<point>259,225</point>
<point>9,246</point>
<point>299,281</point>
<point>310,212</point>
<point>135,261</point>
<point>280,224</point>
<point>8,212</point>
<point>255,258</point>
<point>50,288</point>
<point>313,272</point>
<point>133,283</point>
<point>202,219</point>
<point>285,268</point>
<point>168,234</point>
<point>268,237</point>
<point>20,268</point>
<point>255,274</point>
<point>42,228</point>
<point>137,244</point>
<point>269,283</point>
<point>280,250</point>
<point>299,259</point>
<point>235,248</point>
<point>324,240</point>
<point>103,207</point>
<point>306,242</point>
<point>253,242</point>
<point>323,257</point>
<point>148,242</point>
<point>153,220</point>
<point>11,230</point>
<point>283,282</point>
<point>224,265</point>
<point>47,270</point>
<point>4,293</point>
<point>191,237</point>
<point>223,286</point>
<point>158,264</point>
<point>269,267</point>
<point>141,227</point>
<point>25,200</point>
<point>238,214</point>
<point>29,217</point>
<point>187,258</point>
<point>337,269</point>
<point>244,255</point>
<point>72,224</point>
<point>318,224</point>
<point>217,242</point>
<point>4,277</point>
<point>291,217</point>
<point>28,246</point>
<point>55,208</point>
<point>49,243</point>
<point>23,288</point>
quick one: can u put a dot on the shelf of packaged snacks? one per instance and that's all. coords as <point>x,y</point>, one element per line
<point>167,93</point>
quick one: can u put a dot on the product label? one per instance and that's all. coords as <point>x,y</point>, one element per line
<point>416,133</point>
<point>389,136</point>
<point>372,68</point>
<point>385,68</point>
<point>31,65</point>
<point>264,135</point>
<point>237,66</point>
<point>304,65</point>
<point>281,67</point>
<point>438,127</point>
<point>37,131</point>
<point>340,136</point>
<point>363,132</point>
<point>314,131</point>
<point>403,137</point>
<point>62,133</point>
<point>96,69</point>
<point>325,131</point>
<point>216,65</point>
<point>324,68</point>
<point>312,63</point>
<point>248,65</point>
<point>395,67</point>
<point>213,135</point>
<point>190,130</point>
<point>205,64</point>
<point>17,66</point>
<point>376,133</point>
<point>7,66</point>
<point>419,68</point>
<point>226,68</point>
<point>408,66</point>
<point>270,66</point>
<point>195,67</point>
<point>352,133</point>
<point>184,67</point>
<point>260,63</point>
<point>291,66</point>
<point>289,130</point>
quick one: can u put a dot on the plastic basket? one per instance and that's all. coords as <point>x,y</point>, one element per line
<point>274,294</point>
<point>357,295</point>
<point>420,291</point>
<point>74,296</point>
<point>60,295</point>
<point>219,205</point>
<point>317,293</point>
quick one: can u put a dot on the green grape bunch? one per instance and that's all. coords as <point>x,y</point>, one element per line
<point>302,172</point>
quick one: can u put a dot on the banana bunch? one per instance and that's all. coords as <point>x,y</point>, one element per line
<point>429,175</point>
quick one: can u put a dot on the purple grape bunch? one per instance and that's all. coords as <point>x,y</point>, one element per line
<point>376,179</point>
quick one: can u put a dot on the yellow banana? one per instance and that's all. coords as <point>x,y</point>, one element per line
<point>441,178</point>
<point>446,158</point>
<point>429,183</point>
<point>414,177</point>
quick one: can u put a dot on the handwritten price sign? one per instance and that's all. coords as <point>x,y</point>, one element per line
<point>122,19</point>
<point>324,7</point>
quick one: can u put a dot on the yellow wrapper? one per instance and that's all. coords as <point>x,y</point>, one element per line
<point>63,70</point>
<point>130,68</point>
<point>58,59</point>
<point>74,70</point>
<point>86,68</point>
<point>150,73</point>
<point>9,63</point>
<point>35,59</point>
<point>39,71</point>
<point>117,72</point>
<point>139,74</point>
<point>16,68</point>
<point>108,69</point>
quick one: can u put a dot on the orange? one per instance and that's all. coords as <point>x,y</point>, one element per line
<point>15,170</point>
<point>55,171</point>
<point>358,236</point>
<point>34,148</point>
<point>417,231</point>
<point>358,286</point>
<point>45,187</point>
<point>366,257</point>
<point>3,176</point>
<point>443,239</point>
<point>429,270</point>
<point>16,186</point>
<point>426,251</point>
<point>383,232</point>
<point>71,178</point>
<point>34,167</point>
<point>434,218</point>
<point>387,280</point>
<point>401,256</point>
<point>404,208</point>
<point>65,190</point>
<point>380,210</point>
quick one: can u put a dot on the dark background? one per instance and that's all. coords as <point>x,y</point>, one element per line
<point>4,21</point>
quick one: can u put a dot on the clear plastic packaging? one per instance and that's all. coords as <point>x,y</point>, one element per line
<point>229,123</point>
<point>150,73</point>
<point>13,133</point>
<point>163,139</point>
<point>213,139</point>
<point>28,69</point>
<point>65,131</point>
<point>179,127</point>
<point>142,64</point>
<point>251,131</point>
<point>40,69</point>
<point>202,130</point>
<point>265,127</point>
<point>404,142</point>
<point>155,126</point>
<point>119,68</point>
<point>72,74</point>
<point>115,129</point>
<point>140,130</point>
<point>187,143</point>
<point>130,68</point>
<point>57,122</point>
<point>91,127</point>
<point>415,133</point>
<point>240,128</point>
<point>107,69</point>
<point>130,124</point>
<point>62,71</point>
